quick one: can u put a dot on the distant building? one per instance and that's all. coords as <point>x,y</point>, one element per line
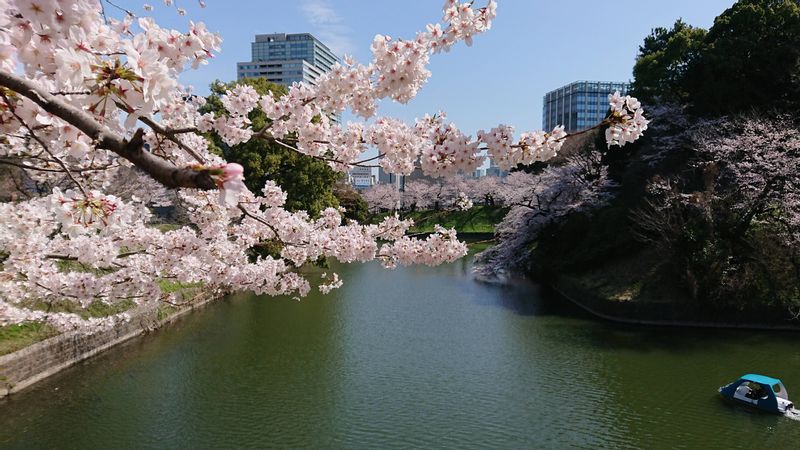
<point>419,175</point>
<point>494,171</point>
<point>384,177</point>
<point>361,177</point>
<point>579,105</point>
<point>399,181</point>
<point>287,58</point>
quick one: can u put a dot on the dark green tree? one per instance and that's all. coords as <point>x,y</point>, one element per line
<point>664,58</point>
<point>750,60</point>
<point>356,208</point>
<point>308,182</point>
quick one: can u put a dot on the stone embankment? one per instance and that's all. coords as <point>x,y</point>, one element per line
<point>25,367</point>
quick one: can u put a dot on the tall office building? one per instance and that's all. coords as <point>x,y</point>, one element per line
<point>287,58</point>
<point>579,105</point>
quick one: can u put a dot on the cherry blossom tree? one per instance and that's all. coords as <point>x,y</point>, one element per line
<point>485,190</point>
<point>382,197</point>
<point>757,161</point>
<point>730,221</point>
<point>89,90</point>
<point>539,199</point>
<point>422,194</point>
<point>454,193</point>
<point>419,195</point>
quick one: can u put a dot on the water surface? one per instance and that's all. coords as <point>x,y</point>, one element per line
<point>415,357</point>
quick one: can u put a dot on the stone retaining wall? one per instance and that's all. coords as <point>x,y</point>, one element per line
<point>25,367</point>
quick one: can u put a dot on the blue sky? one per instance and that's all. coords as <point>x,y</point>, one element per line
<point>533,47</point>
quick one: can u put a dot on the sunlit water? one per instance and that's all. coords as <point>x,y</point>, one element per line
<point>415,357</point>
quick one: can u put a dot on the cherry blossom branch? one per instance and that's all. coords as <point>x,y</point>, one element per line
<point>72,93</point>
<point>27,167</point>
<point>75,258</point>
<point>355,163</point>
<point>171,135</point>
<point>126,11</point>
<point>262,132</point>
<point>132,150</point>
<point>261,221</point>
<point>321,158</point>
<point>280,141</point>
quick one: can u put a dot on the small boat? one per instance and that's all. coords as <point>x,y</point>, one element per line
<point>759,391</point>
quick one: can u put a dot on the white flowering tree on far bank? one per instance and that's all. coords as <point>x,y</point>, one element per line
<point>536,200</point>
<point>88,90</point>
<point>382,197</point>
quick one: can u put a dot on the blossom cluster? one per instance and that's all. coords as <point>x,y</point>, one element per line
<point>69,46</point>
<point>532,146</point>
<point>440,247</point>
<point>628,122</point>
<point>79,213</point>
<point>214,252</point>
<point>463,202</point>
<point>230,179</point>
<point>452,152</point>
<point>11,315</point>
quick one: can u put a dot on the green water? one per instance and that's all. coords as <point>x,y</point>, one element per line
<point>415,357</point>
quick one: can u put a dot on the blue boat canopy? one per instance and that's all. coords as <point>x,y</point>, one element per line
<point>761,379</point>
<point>759,391</point>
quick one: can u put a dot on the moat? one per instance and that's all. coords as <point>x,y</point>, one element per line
<point>415,357</point>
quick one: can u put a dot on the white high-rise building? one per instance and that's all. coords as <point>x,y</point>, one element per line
<point>287,58</point>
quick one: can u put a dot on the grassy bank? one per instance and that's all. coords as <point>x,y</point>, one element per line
<point>16,337</point>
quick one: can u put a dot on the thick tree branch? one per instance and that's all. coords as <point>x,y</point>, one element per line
<point>161,170</point>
